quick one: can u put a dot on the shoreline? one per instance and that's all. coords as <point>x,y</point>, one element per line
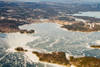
<point>62,24</point>
<point>72,61</point>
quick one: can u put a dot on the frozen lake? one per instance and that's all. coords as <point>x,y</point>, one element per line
<point>95,14</point>
<point>48,37</point>
<point>54,38</point>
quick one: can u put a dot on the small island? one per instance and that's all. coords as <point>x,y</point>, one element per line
<point>20,49</point>
<point>95,46</point>
<point>25,31</point>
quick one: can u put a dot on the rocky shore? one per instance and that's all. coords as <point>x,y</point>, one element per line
<point>83,27</point>
<point>10,26</point>
<point>60,58</point>
<point>95,46</point>
<point>7,26</point>
<point>54,57</point>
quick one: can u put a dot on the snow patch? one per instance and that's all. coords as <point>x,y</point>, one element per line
<point>31,57</point>
<point>72,66</point>
<point>18,39</point>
